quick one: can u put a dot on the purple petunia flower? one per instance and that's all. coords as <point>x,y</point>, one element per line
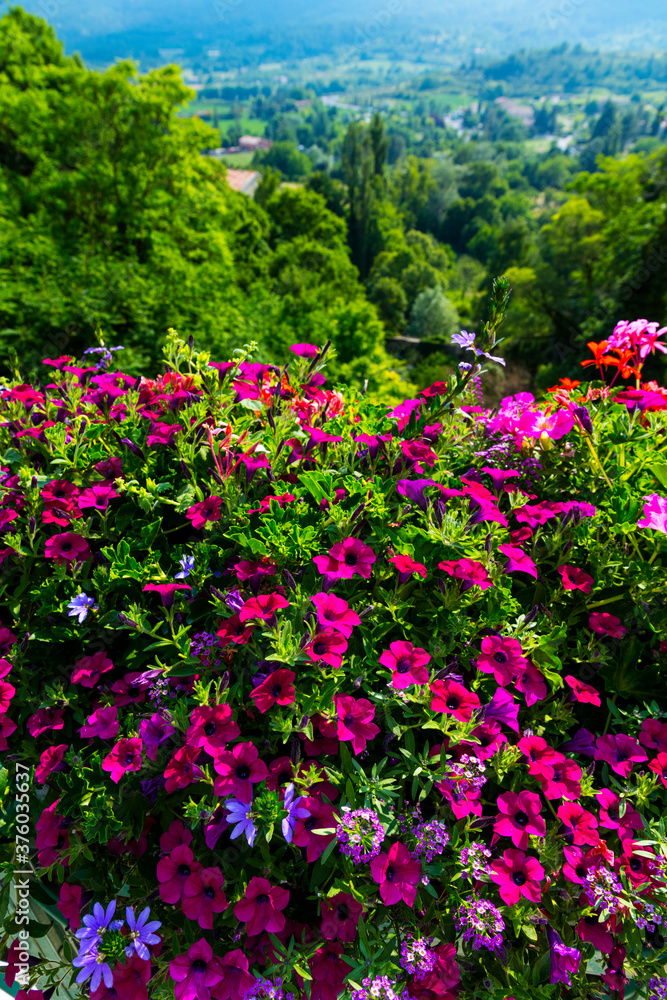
<point>80,605</point>
<point>564,960</point>
<point>141,933</point>
<point>240,813</point>
<point>294,812</point>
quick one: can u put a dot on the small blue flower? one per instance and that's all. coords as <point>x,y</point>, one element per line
<point>141,933</point>
<point>294,812</point>
<point>241,814</point>
<point>187,566</point>
<point>93,964</point>
<point>463,339</point>
<point>96,924</point>
<point>80,605</point>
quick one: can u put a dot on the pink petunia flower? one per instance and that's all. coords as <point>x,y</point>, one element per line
<point>397,874</point>
<point>88,670</point>
<point>470,572</point>
<point>503,658</point>
<point>277,689</point>
<point>69,904</point>
<point>238,770</point>
<point>531,684</point>
<point>50,760</point>
<point>207,511</point>
<point>211,727</point>
<point>655,513</point>
<point>575,579</point>
<point>305,350</point>
<point>174,871</point>
<point>103,723</point>
<point>262,608</point>
<point>182,769</point>
<point>610,815</point>
<point>346,559</point>
<point>153,732</point>
<point>519,817</point>
<point>606,624</point>
<point>333,612</point>
<point>621,752</point>
<point>407,663</point>
<point>328,645</point>
<point>196,973</point>
<point>451,697</point>
<point>45,719</point>
<point>580,825</point>
<point>406,566</point>
<point>581,692</point>
<point>167,591</point>
<point>67,548</point>
<point>653,734</point>
<point>355,723</point>
<point>517,561</point>
<point>316,816</point>
<point>260,909</point>
<point>203,896</point>
<point>340,917</point>
<point>125,756</point>
<point>560,778</point>
<point>236,980</point>
<point>517,875</point>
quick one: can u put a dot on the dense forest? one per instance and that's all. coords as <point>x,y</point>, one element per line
<point>114,225</point>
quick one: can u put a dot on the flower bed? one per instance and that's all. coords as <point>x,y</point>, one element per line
<point>319,700</point>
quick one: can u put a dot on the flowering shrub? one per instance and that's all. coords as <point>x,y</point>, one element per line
<point>319,699</point>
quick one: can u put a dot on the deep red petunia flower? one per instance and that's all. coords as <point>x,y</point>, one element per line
<point>260,908</point>
<point>263,607</point>
<point>234,630</point>
<point>325,737</point>
<point>277,689</point>
<point>327,645</point>
<point>355,723</point>
<point>238,770</point>
<point>203,896</point>
<point>621,752</point>
<point>575,579</point>
<point>182,770</point>
<point>67,548</point>
<point>519,817</point>
<point>397,874</point>
<point>659,766</point>
<point>451,697</point>
<point>174,871</point>
<point>407,664</point>
<point>517,875</point>
<point>211,727</point>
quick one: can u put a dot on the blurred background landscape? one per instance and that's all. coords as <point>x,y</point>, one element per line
<point>244,170</point>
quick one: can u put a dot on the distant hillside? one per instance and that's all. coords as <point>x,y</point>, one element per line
<point>244,30</point>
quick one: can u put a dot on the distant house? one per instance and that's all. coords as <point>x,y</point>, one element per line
<point>245,181</point>
<point>253,142</point>
<point>523,112</point>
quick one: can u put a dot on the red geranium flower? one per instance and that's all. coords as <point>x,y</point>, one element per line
<point>355,720</point>
<point>407,664</point>
<point>277,689</point>
<point>239,769</point>
<point>260,907</point>
<point>451,697</point>
<point>397,874</point>
<point>203,896</point>
<point>517,875</point>
<point>520,817</point>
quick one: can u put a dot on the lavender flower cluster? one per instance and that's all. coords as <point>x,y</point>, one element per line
<point>417,957</point>
<point>360,834</point>
<point>481,923</point>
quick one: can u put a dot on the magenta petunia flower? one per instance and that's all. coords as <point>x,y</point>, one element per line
<point>397,874</point>
<point>352,558</point>
<point>167,591</point>
<point>182,769</point>
<point>260,908</point>
<point>564,961</point>
<point>277,689</point>
<point>499,478</point>
<point>575,579</point>
<point>175,836</point>
<point>531,684</point>
<point>407,664</point>
<point>325,737</point>
<point>470,572</point>
<point>333,612</point>
<point>211,727</point>
<point>103,723</point>
<point>315,816</point>
<point>414,491</point>
<point>234,630</point>
<point>451,697</point>
<point>580,826</point>
<point>502,708</point>
<point>153,732</point>
<point>606,624</point>
<point>125,756</point>
<point>203,896</point>
<point>50,760</point>
<point>262,608</point>
<point>327,645</point>
<point>88,670</point>
<point>610,815</point>
<point>236,980</point>
<point>560,778</point>
<point>355,723</point>
<point>196,973</point>
<point>207,511</point>
<point>305,350</point>
<point>174,871</point>
<point>621,752</point>
<point>653,734</point>
<point>581,692</point>
<point>45,719</point>
<point>655,513</point>
<point>520,817</point>
<point>503,658</point>
<point>238,770</point>
<point>517,561</point>
<point>67,548</point>
<point>340,917</point>
<point>406,567</point>
<point>70,904</point>
<point>517,875</point>
<point>96,497</point>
